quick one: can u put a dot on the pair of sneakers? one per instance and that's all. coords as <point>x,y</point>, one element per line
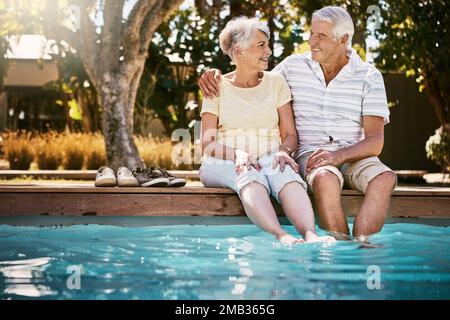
<point>157,177</point>
<point>106,177</point>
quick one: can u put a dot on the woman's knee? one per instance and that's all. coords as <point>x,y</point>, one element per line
<point>253,186</point>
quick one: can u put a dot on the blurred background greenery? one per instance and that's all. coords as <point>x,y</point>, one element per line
<point>407,40</point>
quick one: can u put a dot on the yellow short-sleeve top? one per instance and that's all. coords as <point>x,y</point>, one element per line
<point>248,117</point>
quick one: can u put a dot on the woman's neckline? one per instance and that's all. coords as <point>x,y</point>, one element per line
<point>228,81</point>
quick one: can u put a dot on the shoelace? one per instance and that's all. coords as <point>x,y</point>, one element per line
<point>165,173</point>
<point>125,173</point>
<point>151,173</point>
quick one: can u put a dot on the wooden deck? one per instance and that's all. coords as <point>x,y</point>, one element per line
<point>88,175</point>
<point>86,200</point>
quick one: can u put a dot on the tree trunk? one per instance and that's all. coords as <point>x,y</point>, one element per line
<point>135,71</point>
<point>114,60</point>
<point>117,130</point>
<point>118,97</point>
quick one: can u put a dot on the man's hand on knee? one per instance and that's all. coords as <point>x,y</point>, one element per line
<point>322,158</point>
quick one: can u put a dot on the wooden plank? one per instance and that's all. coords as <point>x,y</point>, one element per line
<point>74,188</point>
<point>404,207</point>
<point>50,174</point>
<point>120,204</point>
<point>180,204</point>
<point>112,190</point>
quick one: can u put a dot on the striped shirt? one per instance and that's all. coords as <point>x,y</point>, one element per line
<point>331,117</point>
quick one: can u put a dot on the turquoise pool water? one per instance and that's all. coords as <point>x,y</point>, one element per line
<point>219,262</point>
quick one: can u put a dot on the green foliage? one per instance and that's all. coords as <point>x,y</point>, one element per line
<point>414,39</point>
<point>192,35</point>
<point>21,17</point>
<point>438,148</point>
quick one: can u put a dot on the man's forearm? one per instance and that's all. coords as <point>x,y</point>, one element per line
<point>369,147</point>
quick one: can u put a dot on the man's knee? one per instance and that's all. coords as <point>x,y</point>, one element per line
<point>386,179</point>
<point>325,177</point>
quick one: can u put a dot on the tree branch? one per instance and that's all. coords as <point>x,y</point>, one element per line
<point>134,23</point>
<point>55,30</point>
<point>161,10</point>
<point>111,35</point>
<point>89,49</point>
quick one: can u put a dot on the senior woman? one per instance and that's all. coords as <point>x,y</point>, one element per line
<point>241,133</point>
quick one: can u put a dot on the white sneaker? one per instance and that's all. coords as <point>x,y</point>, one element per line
<point>105,177</point>
<point>125,178</point>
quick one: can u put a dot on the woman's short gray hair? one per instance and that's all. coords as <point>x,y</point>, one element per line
<point>340,18</point>
<point>238,32</point>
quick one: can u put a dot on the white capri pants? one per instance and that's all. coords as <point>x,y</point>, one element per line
<point>219,173</point>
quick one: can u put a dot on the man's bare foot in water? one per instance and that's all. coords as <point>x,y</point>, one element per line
<point>288,239</point>
<point>364,243</point>
<point>312,237</point>
<point>340,236</point>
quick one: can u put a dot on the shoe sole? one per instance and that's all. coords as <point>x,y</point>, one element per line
<point>176,183</point>
<point>107,182</point>
<point>158,182</point>
<point>128,183</point>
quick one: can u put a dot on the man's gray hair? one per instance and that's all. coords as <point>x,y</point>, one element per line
<point>340,18</point>
<point>238,33</point>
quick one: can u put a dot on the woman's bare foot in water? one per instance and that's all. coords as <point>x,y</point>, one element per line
<point>312,237</point>
<point>286,238</point>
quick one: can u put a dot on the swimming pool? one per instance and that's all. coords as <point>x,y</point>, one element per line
<point>215,258</point>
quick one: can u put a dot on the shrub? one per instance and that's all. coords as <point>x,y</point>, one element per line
<point>95,152</point>
<point>438,148</point>
<point>75,151</point>
<point>18,151</point>
<point>73,156</point>
<point>155,152</point>
<point>49,154</point>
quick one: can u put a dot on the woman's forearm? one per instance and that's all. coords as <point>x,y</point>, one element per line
<point>289,143</point>
<point>219,151</point>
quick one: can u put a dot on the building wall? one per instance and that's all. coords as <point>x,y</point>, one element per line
<point>30,73</point>
<point>413,121</point>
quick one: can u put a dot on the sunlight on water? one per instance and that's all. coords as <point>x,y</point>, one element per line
<point>22,277</point>
<point>407,261</point>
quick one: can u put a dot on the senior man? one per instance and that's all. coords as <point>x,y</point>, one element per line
<point>340,110</point>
